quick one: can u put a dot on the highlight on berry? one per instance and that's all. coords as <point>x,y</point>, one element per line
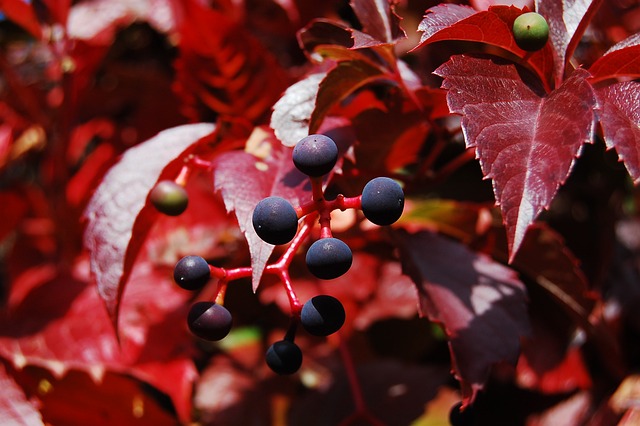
<point>191,272</point>
<point>322,315</point>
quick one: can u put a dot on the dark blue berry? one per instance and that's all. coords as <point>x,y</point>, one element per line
<point>191,272</point>
<point>275,220</point>
<point>315,155</point>
<point>209,321</point>
<point>328,258</point>
<point>284,357</point>
<point>322,315</point>
<point>382,201</point>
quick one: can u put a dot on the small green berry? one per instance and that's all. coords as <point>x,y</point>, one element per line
<point>530,31</point>
<point>169,198</point>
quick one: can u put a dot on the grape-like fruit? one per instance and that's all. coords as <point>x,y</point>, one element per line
<point>530,31</point>
<point>328,258</point>
<point>457,417</point>
<point>284,357</point>
<point>382,201</point>
<point>315,155</point>
<point>322,315</point>
<point>209,320</point>
<point>275,220</point>
<point>169,198</point>
<point>191,272</point>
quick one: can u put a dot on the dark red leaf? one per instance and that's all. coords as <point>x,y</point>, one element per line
<point>340,82</point>
<point>119,217</point>
<point>322,32</point>
<point>526,141</point>
<point>494,27</point>
<point>567,21</point>
<point>22,14</point>
<point>622,60</point>
<point>15,408</point>
<point>620,121</point>
<point>379,22</point>
<point>245,178</point>
<point>480,303</point>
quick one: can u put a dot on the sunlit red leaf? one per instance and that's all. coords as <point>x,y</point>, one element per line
<point>526,141</point>
<point>245,178</point>
<point>21,12</point>
<point>620,121</point>
<point>567,21</point>
<point>292,113</point>
<point>494,27</point>
<point>15,408</point>
<point>480,303</point>
<point>622,60</point>
<point>119,217</point>
<point>380,24</point>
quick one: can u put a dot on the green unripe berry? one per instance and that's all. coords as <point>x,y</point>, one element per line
<point>530,31</point>
<point>169,198</point>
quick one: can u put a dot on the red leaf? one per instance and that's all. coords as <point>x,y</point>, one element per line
<point>118,216</point>
<point>15,409</point>
<point>620,121</point>
<point>379,22</point>
<point>622,60</point>
<point>244,179</point>
<point>526,141</point>
<point>480,303</point>
<point>222,68</point>
<point>21,12</point>
<point>567,21</point>
<point>494,27</point>
<point>292,113</point>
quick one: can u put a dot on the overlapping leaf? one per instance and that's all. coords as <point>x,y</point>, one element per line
<point>457,22</point>
<point>526,141</point>
<point>244,179</point>
<point>118,215</point>
<point>480,303</point>
<point>380,24</point>
<point>15,409</point>
<point>622,60</point>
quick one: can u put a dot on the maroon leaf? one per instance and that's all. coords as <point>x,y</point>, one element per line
<point>339,83</point>
<point>622,60</point>
<point>493,27</point>
<point>480,303</point>
<point>118,215</point>
<point>15,409</point>
<point>379,22</point>
<point>620,121</point>
<point>526,141</point>
<point>244,179</point>
<point>567,21</point>
<point>292,113</point>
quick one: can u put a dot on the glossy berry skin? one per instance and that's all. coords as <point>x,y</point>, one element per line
<point>169,198</point>
<point>530,31</point>
<point>329,258</point>
<point>275,220</point>
<point>322,315</point>
<point>315,155</point>
<point>284,357</point>
<point>382,201</point>
<point>209,321</point>
<point>191,272</point>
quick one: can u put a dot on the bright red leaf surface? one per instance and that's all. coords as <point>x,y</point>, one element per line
<point>622,60</point>
<point>526,142</point>
<point>493,27</point>
<point>244,178</point>
<point>15,408</point>
<point>119,217</point>
<point>620,121</point>
<point>481,304</point>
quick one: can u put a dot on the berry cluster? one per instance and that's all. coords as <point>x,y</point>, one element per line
<point>276,221</point>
